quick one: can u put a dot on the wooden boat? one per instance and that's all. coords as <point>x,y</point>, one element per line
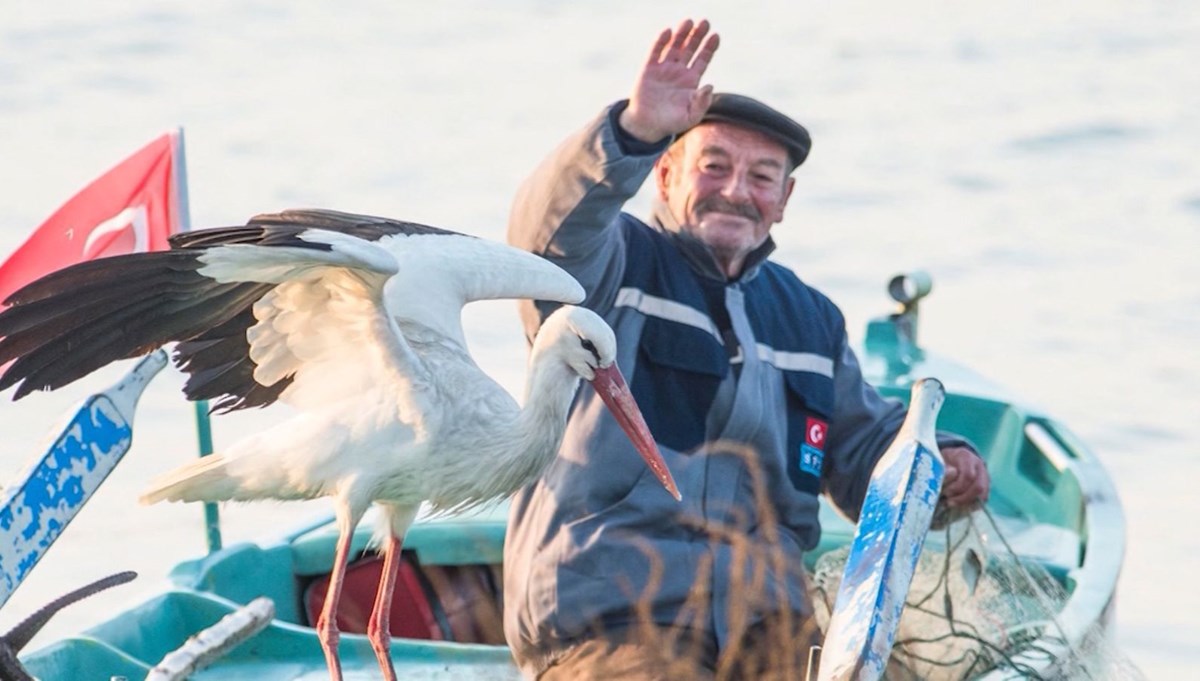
<point>1051,499</point>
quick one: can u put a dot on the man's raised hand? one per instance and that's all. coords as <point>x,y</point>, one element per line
<point>667,98</point>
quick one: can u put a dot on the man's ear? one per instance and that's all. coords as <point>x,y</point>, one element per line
<point>789,185</point>
<point>663,169</point>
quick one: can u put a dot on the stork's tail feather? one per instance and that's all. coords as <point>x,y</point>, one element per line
<point>204,479</point>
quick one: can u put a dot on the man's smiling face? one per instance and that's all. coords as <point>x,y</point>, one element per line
<point>726,185</point>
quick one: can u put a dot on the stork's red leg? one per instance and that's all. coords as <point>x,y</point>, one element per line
<point>378,630</point>
<point>327,630</point>
<point>398,519</point>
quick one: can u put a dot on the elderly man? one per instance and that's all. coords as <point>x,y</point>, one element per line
<point>746,378</point>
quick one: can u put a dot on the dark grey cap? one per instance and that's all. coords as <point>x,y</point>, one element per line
<point>751,113</point>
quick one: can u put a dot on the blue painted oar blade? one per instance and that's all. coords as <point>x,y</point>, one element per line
<point>896,514</point>
<point>38,506</point>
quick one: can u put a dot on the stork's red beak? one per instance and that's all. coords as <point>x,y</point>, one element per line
<point>611,386</point>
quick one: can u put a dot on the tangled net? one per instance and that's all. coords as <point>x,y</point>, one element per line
<point>975,607</point>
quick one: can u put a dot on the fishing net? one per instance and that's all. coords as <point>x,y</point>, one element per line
<point>975,608</point>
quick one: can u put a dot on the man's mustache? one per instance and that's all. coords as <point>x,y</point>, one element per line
<point>720,205</point>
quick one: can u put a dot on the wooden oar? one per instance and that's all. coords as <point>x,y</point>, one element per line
<point>35,510</point>
<point>895,518</point>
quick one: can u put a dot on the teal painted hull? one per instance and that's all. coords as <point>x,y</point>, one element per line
<point>132,644</point>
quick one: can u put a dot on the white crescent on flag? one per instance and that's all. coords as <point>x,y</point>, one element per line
<point>132,208</point>
<point>102,235</point>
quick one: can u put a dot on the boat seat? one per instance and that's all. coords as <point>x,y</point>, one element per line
<point>432,602</point>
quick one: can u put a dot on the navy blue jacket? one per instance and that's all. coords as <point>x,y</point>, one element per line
<point>749,387</point>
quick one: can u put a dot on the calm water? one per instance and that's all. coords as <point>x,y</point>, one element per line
<point>1040,160</point>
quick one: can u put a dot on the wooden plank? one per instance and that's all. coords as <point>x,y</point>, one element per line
<point>896,514</point>
<point>212,643</point>
<point>42,502</point>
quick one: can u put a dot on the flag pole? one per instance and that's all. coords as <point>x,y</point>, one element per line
<point>212,520</point>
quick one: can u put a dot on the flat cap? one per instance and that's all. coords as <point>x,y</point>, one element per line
<point>751,113</point>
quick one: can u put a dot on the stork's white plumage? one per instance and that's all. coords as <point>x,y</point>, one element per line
<point>356,322</point>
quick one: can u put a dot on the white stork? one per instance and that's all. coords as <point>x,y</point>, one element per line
<point>355,321</point>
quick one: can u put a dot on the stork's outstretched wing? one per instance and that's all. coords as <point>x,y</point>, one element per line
<point>79,319</point>
<point>218,359</point>
<point>322,325</point>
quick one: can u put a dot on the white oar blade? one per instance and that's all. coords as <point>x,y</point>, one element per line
<point>38,506</point>
<point>896,514</point>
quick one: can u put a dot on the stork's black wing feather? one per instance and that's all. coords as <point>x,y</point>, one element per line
<point>59,338</point>
<point>89,294</point>
<point>283,229</point>
<point>219,368</point>
<point>79,319</point>
<point>367,227</point>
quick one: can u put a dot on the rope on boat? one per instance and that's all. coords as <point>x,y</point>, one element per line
<point>1023,637</point>
<point>972,611</point>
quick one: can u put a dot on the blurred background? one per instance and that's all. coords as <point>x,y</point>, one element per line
<point>1038,159</point>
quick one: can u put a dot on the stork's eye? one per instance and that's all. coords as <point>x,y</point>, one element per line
<point>590,347</point>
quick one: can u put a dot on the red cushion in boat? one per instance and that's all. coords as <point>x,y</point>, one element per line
<point>412,614</point>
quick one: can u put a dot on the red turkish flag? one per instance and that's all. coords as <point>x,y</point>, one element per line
<point>132,208</point>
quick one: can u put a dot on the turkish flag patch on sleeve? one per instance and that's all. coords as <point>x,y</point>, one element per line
<point>812,452</point>
<point>814,432</point>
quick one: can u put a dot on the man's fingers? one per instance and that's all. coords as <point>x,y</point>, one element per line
<point>974,494</point>
<point>707,50</point>
<point>966,481</point>
<point>700,102</point>
<point>698,106</point>
<point>658,52</point>
<point>689,44</point>
<point>694,38</point>
<point>963,476</point>
<point>681,36</point>
<point>950,475</point>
